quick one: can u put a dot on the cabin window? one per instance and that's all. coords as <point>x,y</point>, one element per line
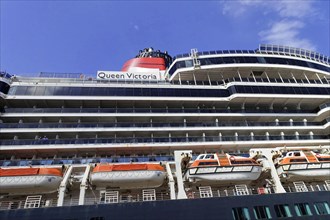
<point>300,160</point>
<point>209,156</point>
<point>297,154</point>
<point>324,159</point>
<point>200,157</point>
<point>302,209</point>
<point>241,213</point>
<point>322,208</point>
<point>242,162</point>
<point>262,212</point>
<point>208,163</point>
<point>282,211</point>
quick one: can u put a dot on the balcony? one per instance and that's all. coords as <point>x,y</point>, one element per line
<point>162,125</point>
<point>157,140</point>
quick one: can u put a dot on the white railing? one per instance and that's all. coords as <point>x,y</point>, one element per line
<point>135,197</point>
<point>242,190</point>
<point>149,195</point>
<point>32,202</point>
<point>205,192</point>
<point>192,194</point>
<point>19,204</point>
<point>307,188</point>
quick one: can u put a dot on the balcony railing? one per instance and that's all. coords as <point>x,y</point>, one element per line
<point>160,125</point>
<point>269,49</point>
<point>153,110</point>
<point>156,140</point>
<point>91,160</point>
<point>324,106</point>
<point>74,201</point>
<point>160,196</point>
<point>292,51</point>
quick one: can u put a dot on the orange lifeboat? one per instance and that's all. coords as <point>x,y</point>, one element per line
<point>223,168</point>
<point>301,165</point>
<point>29,180</point>
<point>128,176</point>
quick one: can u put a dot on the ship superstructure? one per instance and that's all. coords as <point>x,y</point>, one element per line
<point>239,110</point>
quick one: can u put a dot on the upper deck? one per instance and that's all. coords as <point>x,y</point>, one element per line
<point>267,60</point>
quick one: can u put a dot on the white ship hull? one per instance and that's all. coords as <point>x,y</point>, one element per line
<point>128,179</point>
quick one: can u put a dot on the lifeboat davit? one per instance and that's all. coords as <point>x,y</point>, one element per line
<point>304,165</point>
<point>128,176</point>
<point>223,168</point>
<point>30,180</point>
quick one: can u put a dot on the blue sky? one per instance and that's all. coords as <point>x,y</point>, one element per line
<point>86,36</point>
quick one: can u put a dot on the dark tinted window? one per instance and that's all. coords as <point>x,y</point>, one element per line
<point>302,209</point>
<point>282,211</point>
<point>262,212</point>
<point>208,163</point>
<point>171,92</point>
<point>4,87</point>
<point>322,208</point>
<point>241,213</point>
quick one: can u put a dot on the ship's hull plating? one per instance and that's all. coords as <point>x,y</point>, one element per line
<point>207,208</point>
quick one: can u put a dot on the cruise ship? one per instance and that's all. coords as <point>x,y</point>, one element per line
<point>226,134</point>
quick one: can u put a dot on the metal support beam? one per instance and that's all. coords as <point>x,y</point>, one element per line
<point>280,76</point>
<point>253,76</point>
<point>239,75</point>
<point>84,185</point>
<point>208,77</point>
<point>267,76</point>
<point>171,182</point>
<point>61,191</point>
<point>271,106</point>
<point>268,153</point>
<point>223,79</point>
<point>307,78</point>
<point>294,78</point>
<point>178,171</point>
<point>194,79</point>
<point>319,77</point>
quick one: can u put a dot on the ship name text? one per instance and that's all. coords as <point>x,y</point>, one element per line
<point>117,75</point>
